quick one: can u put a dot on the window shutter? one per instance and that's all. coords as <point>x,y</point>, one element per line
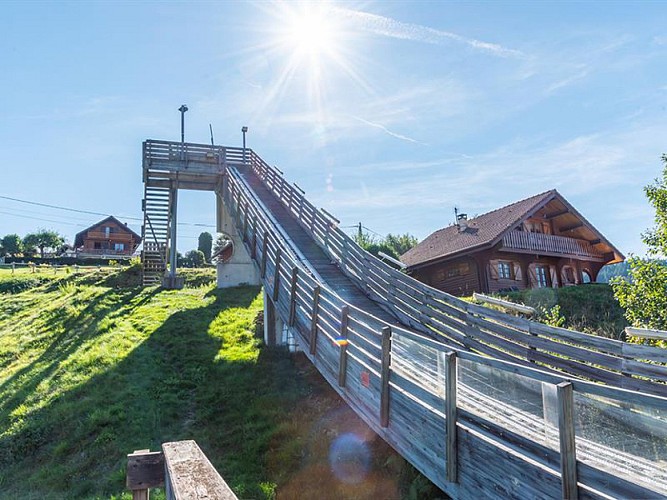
<point>554,276</point>
<point>493,269</point>
<point>517,271</point>
<point>532,276</point>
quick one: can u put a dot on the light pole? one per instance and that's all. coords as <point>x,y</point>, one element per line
<point>183,109</point>
<point>244,129</point>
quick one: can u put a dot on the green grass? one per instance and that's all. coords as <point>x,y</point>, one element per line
<point>91,372</point>
<point>93,367</point>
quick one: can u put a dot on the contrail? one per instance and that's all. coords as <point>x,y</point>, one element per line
<point>386,26</point>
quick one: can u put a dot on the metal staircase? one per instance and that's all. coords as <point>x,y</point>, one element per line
<point>155,233</point>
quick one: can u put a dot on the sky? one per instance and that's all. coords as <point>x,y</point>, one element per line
<point>386,113</point>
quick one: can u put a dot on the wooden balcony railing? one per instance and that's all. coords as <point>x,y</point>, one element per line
<point>549,244</point>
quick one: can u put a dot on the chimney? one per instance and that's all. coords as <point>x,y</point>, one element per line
<point>462,222</point>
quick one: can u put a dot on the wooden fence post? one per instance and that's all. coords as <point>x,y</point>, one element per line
<point>342,342</point>
<point>145,470</point>
<point>13,267</point>
<point>276,277</point>
<point>568,450</point>
<point>386,364</point>
<point>313,320</point>
<point>265,248</point>
<point>253,252</point>
<point>451,445</point>
<point>292,299</point>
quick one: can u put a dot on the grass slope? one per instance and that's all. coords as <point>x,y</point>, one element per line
<point>92,368</point>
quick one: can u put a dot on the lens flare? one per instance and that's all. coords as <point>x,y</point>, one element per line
<point>349,458</point>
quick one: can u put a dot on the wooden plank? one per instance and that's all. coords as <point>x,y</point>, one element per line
<point>386,362</point>
<point>145,470</point>
<point>265,248</point>
<point>342,342</point>
<point>276,276</point>
<point>313,321</point>
<point>568,450</point>
<point>451,445</point>
<point>503,303</point>
<point>292,310</point>
<point>189,474</point>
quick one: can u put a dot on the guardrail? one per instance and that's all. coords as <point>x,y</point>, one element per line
<point>472,424</point>
<point>646,333</point>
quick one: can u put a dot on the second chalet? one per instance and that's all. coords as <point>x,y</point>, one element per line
<point>107,238</point>
<point>538,242</point>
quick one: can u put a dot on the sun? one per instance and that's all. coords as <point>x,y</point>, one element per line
<point>310,31</point>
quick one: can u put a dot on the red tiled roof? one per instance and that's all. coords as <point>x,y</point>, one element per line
<point>482,231</point>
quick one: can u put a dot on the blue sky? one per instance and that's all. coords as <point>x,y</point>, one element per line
<point>388,113</point>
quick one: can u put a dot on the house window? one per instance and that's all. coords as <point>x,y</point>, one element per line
<point>542,274</point>
<point>119,247</point>
<point>107,231</point>
<point>504,270</point>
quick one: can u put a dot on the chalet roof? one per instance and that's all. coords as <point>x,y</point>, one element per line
<point>78,239</point>
<point>486,230</point>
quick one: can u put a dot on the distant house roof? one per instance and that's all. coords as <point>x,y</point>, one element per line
<point>486,230</point>
<point>78,239</point>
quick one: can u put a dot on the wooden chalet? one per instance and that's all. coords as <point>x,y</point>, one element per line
<point>538,242</point>
<point>108,238</point>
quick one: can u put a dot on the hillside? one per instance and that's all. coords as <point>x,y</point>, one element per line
<point>92,368</point>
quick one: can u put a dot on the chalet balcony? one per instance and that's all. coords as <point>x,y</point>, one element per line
<point>99,252</point>
<point>548,244</point>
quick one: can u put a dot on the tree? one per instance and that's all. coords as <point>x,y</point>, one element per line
<point>643,294</point>
<point>401,243</point>
<point>195,258</point>
<point>205,245</point>
<point>392,245</point>
<point>12,244</point>
<point>42,240</point>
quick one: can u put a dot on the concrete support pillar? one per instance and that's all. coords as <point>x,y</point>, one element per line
<point>171,280</point>
<point>240,269</point>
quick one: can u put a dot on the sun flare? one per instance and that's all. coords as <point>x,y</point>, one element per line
<point>310,31</point>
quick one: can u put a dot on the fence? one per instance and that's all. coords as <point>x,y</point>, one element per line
<point>474,425</point>
<point>56,268</point>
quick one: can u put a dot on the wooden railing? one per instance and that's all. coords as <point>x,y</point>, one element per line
<point>468,326</point>
<point>549,244</point>
<point>161,153</point>
<point>434,400</point>
<point>181,468</point>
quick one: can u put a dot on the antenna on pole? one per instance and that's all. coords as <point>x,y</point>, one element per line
<point>456,215</point>
<point>210,127</point>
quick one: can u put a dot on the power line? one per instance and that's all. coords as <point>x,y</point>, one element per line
<point>89,212</point>
<point>42,220</point>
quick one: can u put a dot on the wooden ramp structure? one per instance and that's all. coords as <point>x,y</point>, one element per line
<point>483,403</point>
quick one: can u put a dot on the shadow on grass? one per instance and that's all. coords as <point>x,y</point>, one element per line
<point>179,383</point>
